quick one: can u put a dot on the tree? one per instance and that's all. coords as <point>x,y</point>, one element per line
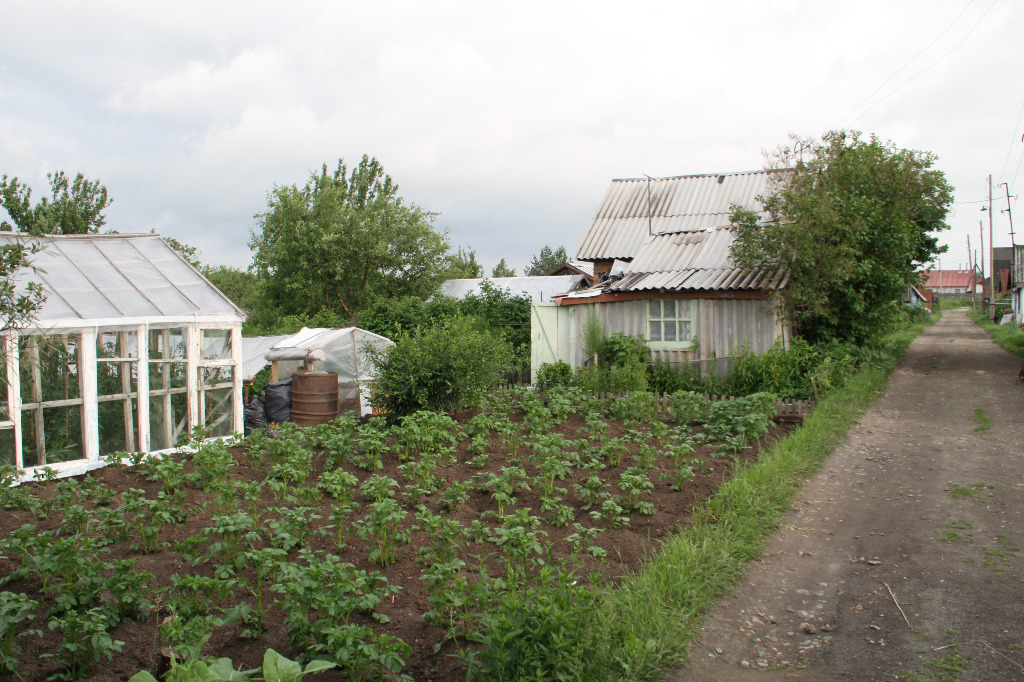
<point>73,208</point>
<point>17,307</point>
<point>463,265</point>
<point>547,261</point>
<point>344,241</point>
<point>503,270</point>
<point>186,251</point>
<point>853,221</point>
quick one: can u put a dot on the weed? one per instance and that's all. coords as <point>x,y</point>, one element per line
<point>981,418</point>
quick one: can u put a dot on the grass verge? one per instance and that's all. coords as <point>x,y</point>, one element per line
<point>1010,337</point>
<point>650,620</point>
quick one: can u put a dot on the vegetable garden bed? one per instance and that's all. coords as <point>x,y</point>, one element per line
<point>388,549</point>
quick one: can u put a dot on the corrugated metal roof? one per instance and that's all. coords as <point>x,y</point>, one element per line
<point>540,288</point>
<point>949,278</point>
<point>685,203</point>
<point>694,261</point>
<point>115,276</point>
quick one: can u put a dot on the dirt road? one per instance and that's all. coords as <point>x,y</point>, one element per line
<point>901,558</point>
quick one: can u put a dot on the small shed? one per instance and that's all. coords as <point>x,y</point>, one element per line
<point>131,348</point>
<point>330,350</point>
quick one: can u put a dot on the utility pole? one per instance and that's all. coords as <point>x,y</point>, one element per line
<point>970,264</point>
<point>991,255</point>
<point>1009,213</point>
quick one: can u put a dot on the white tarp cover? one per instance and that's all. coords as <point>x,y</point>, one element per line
<point>254,353</point>
<point>330,350</point>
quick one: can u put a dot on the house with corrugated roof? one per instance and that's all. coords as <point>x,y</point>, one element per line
<point>131,348</point>
<point>661,252</point>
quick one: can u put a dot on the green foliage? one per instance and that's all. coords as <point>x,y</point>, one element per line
<point>853,221</point>
<point>555,374</point>
<point>17,306</point>
<point>344,241</point>
<point>502,269</point>
<point>14,610</point>
<point>74,207</point>
<point>85,640</point>
<point>620,350</point>
<point>547,261</point>
<point>462,265</point>
<point>451,365</point>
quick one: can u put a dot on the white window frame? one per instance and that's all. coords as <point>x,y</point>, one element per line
<point>684,313</point>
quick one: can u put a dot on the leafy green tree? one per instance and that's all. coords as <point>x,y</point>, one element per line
<point>186,251</point>
<point>507,314</point>
<point>74,207</point>
<point>853,221</point>
<point>344,241</point>
<point>17,307</point>
<point>449,365</point>
<point>463,265</point>
<point>547,261</point>
<point>502,269</point>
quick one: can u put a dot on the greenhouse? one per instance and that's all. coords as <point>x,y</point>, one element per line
<point>131,348</point>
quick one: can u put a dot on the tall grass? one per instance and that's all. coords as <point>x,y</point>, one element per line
<point>649,621</point>
<point>1010,337</point>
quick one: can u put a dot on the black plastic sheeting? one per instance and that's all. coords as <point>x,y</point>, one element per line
<point>278,397</point>
<point>255,415</point>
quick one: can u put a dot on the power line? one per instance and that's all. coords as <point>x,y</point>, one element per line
<point>907,63</point>
<point>1009,149</point>
<point>928,68</point>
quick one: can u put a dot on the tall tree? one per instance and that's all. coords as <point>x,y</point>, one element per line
<point>343,241</point>
<point>547,261</point>
<point>73,207</point>
<point>852,220</point>
<point>502,269</point>
<point>462,265</point>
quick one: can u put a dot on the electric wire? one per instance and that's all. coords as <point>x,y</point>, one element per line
<point>928,68</point>
<point>907,63</point>
<point>1009,150</point>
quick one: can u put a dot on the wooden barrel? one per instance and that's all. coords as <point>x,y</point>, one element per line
<point>314,397</point>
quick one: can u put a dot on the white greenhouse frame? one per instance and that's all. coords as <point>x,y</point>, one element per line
<point>147,296</point>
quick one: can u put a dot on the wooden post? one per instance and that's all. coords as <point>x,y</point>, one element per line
<point>37,397</point>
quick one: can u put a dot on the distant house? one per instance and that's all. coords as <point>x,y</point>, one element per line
<point>677,286</point>
<point>540,288</point>
<point>951,282</point>
<point>918,298</point>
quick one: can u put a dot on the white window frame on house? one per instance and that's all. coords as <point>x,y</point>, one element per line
<point>676,312</point>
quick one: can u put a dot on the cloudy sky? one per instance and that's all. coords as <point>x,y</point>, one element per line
<point>507,119</point>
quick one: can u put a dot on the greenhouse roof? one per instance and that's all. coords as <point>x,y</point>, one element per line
<point>117,279</point>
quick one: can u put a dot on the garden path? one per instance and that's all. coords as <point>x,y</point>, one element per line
<point>900,558</point>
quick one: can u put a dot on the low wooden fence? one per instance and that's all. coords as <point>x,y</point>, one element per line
<point>788,411</point>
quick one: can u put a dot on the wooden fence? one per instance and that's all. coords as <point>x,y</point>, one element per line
<point>788,411</point>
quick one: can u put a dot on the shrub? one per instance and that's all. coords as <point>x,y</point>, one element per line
<point>450,365</point>
<point>619,350</point>
<point>554,374</point>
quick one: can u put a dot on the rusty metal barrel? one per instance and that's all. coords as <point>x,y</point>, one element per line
<point>314,397</point>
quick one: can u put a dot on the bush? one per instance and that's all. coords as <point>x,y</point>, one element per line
<point>619,349</point>
<point>554,374</point>
<point>452,364</point>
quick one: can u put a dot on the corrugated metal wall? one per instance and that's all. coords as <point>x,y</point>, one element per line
<point>719,325</point>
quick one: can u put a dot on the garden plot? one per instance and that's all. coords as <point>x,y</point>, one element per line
<point>403,549</point>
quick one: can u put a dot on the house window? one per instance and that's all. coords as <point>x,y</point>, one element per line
<point>669,322</point>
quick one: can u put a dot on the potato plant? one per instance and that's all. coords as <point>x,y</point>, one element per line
<point>513,502</point>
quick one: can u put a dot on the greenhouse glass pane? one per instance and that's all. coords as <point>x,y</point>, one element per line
<point>53,361</point>
<point>113,378</point>
<point>216,344</point>
<point>211,376</point>
<point>219,411</point>
<point>166,375</point>
<point>114,437</point>
<point>61,435</point>
<point>7,446</point>
<point>167,415</point>
<point>167,343</point>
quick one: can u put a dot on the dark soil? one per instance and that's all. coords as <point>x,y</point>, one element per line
<point>626,551</point>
